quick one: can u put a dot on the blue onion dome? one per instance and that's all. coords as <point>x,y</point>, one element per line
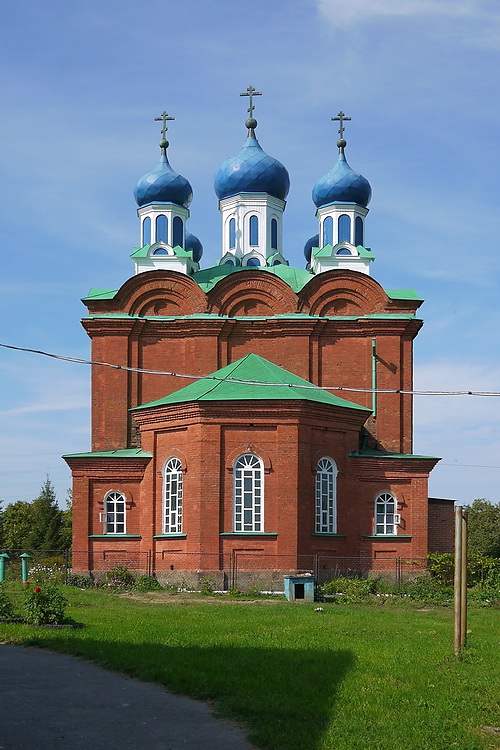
<point>252,171</point>
<point>193,243</point>
<point>312,242</point>
<point>163,185</point>
<point>342,185</point>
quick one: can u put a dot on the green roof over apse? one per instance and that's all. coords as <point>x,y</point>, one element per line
<point>366,453</point>
<point>120,453</point>
<point>258,371</point>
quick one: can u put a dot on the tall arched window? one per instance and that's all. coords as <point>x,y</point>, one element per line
<point>326,496</point>
<point>344,228</point>
<point>232,234</point>
<point>172,496</point>
<point>274,234</point>
<point>146,231</point>
<point>161,228</point>
<point>328,231</point>
<point>114,513</point>
<point>248,493</point>
<point>358,231</point>
<point>385,513</point>
<point>254,230</point>
<point>177,232</point>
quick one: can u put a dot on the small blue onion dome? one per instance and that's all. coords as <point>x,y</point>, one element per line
<point>193,243</point>
<point>163,185</point>
<point>342,185</point>
<point>312,242</point>
<point>252,171</point>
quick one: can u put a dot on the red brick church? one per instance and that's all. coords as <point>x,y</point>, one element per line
<point>291,437</point>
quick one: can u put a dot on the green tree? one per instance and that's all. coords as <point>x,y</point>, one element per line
<point>17,524</point>
<point>66,527</point>
<point>484,528</point>
<point>45,533</point>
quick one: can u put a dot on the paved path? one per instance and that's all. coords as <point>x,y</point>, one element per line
<point>51,701</point>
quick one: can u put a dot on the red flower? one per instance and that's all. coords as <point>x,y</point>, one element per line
<point>27,583</point>
<point>37,589</point>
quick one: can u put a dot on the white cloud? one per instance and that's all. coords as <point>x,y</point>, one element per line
<point>342,13</point>
<point>463,430</point>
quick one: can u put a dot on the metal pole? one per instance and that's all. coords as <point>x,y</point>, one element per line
<point>24,566</point>
<point>3,557</point>
<point>463,613</point>
<point>457,629</point>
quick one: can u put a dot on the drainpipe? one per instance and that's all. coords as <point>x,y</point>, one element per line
<point>374,376</point>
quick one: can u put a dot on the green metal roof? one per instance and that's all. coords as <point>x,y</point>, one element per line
<point>327,252</point>
<point>143,252</point>
<point>281,316</point>
<point>296,278</point>
<point>383,454</point>
<point>408,294</point>
<point>121,453</point>
<point>258,371</point>
<point>101,294</point>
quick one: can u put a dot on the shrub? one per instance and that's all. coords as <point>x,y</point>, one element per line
<point>147,583</point>
<point>441,565</point>
<point>207,585</point>
<point>6,606</point>
<point>120,578</point>
<point>44,606</point>
<point>47,573</point>
<point>83,582</point>
<point>349,590</point>
<point>428,590</point>
<point>235,593</point>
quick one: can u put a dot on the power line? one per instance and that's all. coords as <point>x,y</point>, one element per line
<point>472,466</point>
<point>77,360</point>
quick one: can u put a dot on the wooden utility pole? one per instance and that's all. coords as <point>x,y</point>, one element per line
<point>460,582</point>
<point>463,615</point>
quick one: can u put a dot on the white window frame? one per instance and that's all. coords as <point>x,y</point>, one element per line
<point>115,512</point>
<point>386,516</point>
<point>172,496</point>
<point>326,496</point>
<point>248,494</point>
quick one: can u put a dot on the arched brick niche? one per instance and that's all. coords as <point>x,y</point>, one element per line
<point>342,293</point>
<point>252,293</point>
<point>160,293</point>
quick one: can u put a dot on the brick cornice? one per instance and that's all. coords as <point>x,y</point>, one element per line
<point>126,468</point>
<point>392,468</point>
<point>251,412</point>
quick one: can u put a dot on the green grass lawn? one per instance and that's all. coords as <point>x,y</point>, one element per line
<point>350,678</point>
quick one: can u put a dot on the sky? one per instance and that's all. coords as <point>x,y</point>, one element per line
<point>81,84</point>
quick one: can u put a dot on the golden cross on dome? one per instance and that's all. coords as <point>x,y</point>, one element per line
<point>341,118</point>
<point>251,92</point>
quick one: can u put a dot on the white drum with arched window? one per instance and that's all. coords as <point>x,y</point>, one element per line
<point>172,496</point>
<point>248,493</point>
<point>114,513</point>
<point>385,513</point>
<point>326,496</point>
